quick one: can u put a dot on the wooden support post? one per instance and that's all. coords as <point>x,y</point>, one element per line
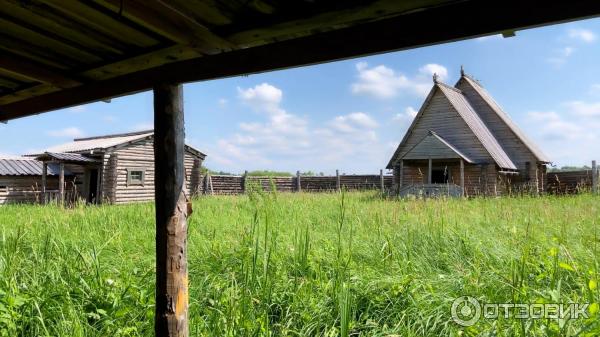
<point>338,185</point>
<point>61,184</point>
<point>429,168</point>
<point>172,209</point>
<point>401,175</point>
<point>381,182</point>
<point>298,186</point>
<point>244,182</point>
<point>44,182</point>
<point>462,177</point>
<point>594,177</point>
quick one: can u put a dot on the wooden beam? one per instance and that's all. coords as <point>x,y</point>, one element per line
<point>32,70</point>
<point>167,20</point>
<point>298,186</point>
<point>594,177</point>
<point>401,175</point>
<point>61,183</point>
<point>429,170</point>
<point>44,182</point>
<point>462,177</point>
<point>171,312</point>
<point>456,21</point>
<point>381,182</point>
<point>338,184</point>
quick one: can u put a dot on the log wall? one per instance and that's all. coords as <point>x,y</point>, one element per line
<point>21,189</point>
<point>139,156</point>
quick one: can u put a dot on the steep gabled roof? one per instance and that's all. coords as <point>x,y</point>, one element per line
<point>471,118</point>
<point>504,117</point>
<point>436,142</point>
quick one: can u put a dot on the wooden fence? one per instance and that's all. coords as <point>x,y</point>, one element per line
<point>570,182</point>
<point>228,185</point>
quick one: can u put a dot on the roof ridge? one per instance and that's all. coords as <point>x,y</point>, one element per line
<point>449,87</point>
<point>116,135</point>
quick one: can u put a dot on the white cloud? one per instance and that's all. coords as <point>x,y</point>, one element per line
<point>222,102</point>
<point>581,34</point>
<point>585,109</point>
<point>353,122</point>
<point>71,132</point>
<point>384,83</point>
<point>595,89</point>
<point>280,139</point>
<point>561,55</point>
<point>568,135</point>
<point>407,116</point>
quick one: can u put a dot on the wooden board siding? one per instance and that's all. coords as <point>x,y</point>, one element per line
<point>569,182</point>
<point>139,155</point>
<point>440,116</point>
<point>19,189</point>
<point>431,147</point>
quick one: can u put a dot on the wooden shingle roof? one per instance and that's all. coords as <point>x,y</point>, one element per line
<point>505,118</point>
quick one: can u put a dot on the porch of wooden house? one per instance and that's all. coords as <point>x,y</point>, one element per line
<point>84,183</point>
<point>431,177</point>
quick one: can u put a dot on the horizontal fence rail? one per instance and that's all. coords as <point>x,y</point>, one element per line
<point>570,182</point>
<point>231,185</point>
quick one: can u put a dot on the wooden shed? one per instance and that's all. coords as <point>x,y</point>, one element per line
<point>116,168</point>
<point>461,142</point>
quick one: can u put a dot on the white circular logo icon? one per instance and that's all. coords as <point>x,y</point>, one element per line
<point>466,311</point>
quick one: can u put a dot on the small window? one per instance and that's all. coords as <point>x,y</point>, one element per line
<point>135,177</point>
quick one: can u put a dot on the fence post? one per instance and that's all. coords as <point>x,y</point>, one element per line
<point>381,181</point>
<point>594,177</point>
<point>298,187</point>
<point>244,181</point>
<point>338,185</point>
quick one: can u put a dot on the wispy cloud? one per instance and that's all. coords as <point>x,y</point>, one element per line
<point>79,108</point>
<point>383,82</point>
<point>489,38</point>
<point>71,132</point>
<point>561,55</point>
<point>583,35</point>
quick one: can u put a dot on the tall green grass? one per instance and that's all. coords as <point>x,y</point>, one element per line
<point>303,265</point>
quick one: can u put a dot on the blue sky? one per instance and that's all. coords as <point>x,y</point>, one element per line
<point>352,114</point>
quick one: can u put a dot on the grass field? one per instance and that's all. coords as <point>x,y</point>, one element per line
<point>304,265</point>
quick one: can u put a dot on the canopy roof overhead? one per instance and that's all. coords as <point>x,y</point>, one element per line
<point>55,54</point>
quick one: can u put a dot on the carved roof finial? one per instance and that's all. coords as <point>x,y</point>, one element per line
<point>435,77</point>
<point>462,70</point>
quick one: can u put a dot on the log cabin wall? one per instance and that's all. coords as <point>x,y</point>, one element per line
<point>21,189</point>
<point>117,189</point>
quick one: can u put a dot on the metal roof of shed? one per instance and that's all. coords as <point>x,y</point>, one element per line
<point>99,143</point>
<point>66,157</point>
<point>26,167</point>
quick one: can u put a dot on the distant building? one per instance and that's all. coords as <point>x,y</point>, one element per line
<point>461,141</point>
<point>113,168</point>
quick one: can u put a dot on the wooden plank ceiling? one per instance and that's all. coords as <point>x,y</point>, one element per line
<point>57,53</point>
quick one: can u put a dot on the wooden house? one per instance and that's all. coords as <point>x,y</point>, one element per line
<point>113,168</point>
<point>461,142</point>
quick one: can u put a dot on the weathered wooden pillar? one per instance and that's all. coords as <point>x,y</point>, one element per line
<point>401,178</point>
<point>244,183</point>
<point>44,182</point>
<point>298,187</point>
<point>171,312</point>
<point>594,177</point>
<point>338,184</point>
<point>381,182</point>
<point>462,177</point>
<point>429,169</point>
<point>61,183</point>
